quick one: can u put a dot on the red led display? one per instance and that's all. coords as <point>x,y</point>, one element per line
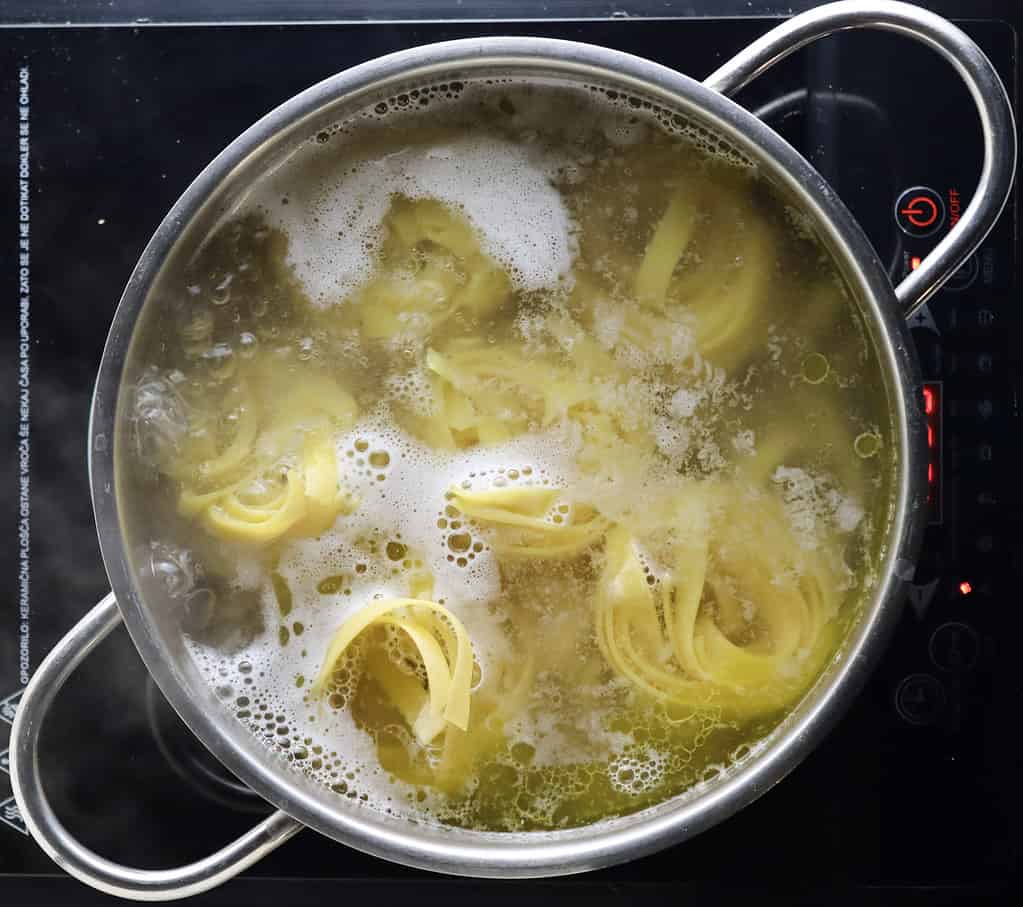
<point>932,413</point>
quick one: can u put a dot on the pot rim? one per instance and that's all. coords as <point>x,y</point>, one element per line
<point>532,854</point>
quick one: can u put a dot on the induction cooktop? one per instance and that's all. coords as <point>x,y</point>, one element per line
<point>913,798</point>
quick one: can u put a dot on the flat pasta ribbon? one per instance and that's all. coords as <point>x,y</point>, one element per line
<point>444,647</point>
<point>678,642</point>
<point>532,521</point>
<point>260,510</point>
<point>724,284</point>
<point>259,490</point>
<point>667,245</point>
<point>486,394</point>
<point>440,271</point>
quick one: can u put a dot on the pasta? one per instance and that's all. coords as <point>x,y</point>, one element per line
<point>532,522</point>
<point>435,631</point>
<point>692,660</point>
<point>515,510</point>
<point>259,488</point>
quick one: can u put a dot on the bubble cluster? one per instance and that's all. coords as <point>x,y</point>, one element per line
<point>159,416</point>
<point>457,535</point>
<point>411,389</point>
<point>639,771</point>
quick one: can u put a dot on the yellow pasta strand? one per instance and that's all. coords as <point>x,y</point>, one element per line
<point>669,242</point>
<point>232,520</point>
<point>519,520</point>
<point>407,695</point>
<point>438,271</point>
<point>724,319</point>
<point>255,492</point>
<point>432,628</point>
<point>239,448</point>
<point>325,499</point>
<point>748,560</point>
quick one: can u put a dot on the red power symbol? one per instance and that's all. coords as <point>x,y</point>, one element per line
<point>921,211</point>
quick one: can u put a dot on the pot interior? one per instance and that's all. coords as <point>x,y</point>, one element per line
<point>161,573</point>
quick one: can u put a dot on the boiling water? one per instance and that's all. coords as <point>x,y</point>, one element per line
<point>514,232</point>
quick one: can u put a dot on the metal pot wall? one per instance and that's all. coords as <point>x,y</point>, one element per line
<point>158,635</point>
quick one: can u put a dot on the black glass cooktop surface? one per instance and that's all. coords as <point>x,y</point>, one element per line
<point>914,795</point>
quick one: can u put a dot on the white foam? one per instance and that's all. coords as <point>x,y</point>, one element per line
<point>560,737</point>
<point>403,506</point>
<point>504,188</point>
<point>639,771</point>
<point>814,503</point>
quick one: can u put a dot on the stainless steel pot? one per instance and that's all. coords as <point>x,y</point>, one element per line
<point>158,637</point>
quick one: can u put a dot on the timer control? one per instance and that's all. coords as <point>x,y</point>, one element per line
<point>954,647</point>
<point>920,699</point>
<point>964,276</point>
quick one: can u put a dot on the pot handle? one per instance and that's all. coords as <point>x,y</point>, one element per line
<point>54,838</point>
<point>973,67</point>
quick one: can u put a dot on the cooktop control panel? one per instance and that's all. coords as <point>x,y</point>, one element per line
<point>962,336</point>
<point>950,681</point>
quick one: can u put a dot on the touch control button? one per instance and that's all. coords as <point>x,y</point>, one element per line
<point>919,211</point>
<point>954,647</point>
<point>920,699</point>
<point>964,276</point>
